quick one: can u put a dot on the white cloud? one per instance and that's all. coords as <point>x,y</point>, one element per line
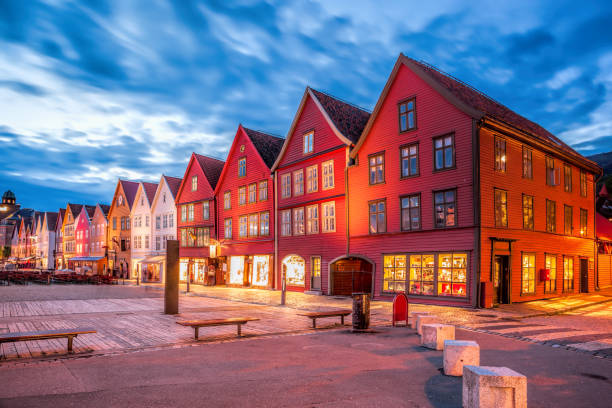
<point>563,77</point>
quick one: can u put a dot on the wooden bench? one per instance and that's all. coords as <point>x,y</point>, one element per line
<point>45,335</point>
<point>330,313</point>
<point>196,324</point>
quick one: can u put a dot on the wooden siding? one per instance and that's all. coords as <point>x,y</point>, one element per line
<point>434,117</point>
<point>117,211</point>
<point>537,241</point>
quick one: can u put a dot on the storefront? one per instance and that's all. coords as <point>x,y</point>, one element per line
<point>152,269</point>
<point>195,268</point>
<point>88,265</point>
<point>250,271</point>
<point>426,274</point>
<point>294,268</point>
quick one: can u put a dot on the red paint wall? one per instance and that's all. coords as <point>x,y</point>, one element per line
<point>82,225</point>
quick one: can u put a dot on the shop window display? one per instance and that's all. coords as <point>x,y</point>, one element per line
<point>394,273</point>
<point>422,274</point>
<point>294,270</point>
<point>452,272</point>
<point>261,270</point>
<point>236,270</point>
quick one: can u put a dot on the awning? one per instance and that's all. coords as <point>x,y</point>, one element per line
<point>153,259</point>
<point>86,258</point>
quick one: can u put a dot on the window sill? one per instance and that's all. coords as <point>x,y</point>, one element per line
<point>407,131</point>
<point>410,176</point>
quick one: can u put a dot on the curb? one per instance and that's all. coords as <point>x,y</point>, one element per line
<point>567,309</point>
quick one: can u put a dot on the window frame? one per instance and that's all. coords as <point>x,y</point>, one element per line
<point>264,215</point>
<point>310,221</point>
<point>308,148</point>
<point>253,226</point>
<point>571,220</point>
<point>324,225</point>
<point>584,227</point>
<point>567,174</point>
<point>500,157</point>
<point>377,212</point>
<point>312,181</point>
<point>263,190</point>
<point>527,151</point>
<point>405,102</point>
<point>551,222</point>
<point>550,286</point>
<point>332,176</point>
<point>244,224</point>
<point>242,166</point>
<point>241,190</point>
<point>252,189</point>
<point>504,222</point>
<point>445,208</point>
<point>444,167</point>
<point>526,227</point>
<point>550,170</point>
<point>566,288</point>
<point>408,157</point>
<point>286,184</point>
<point>301,228</point>
<point>583,183</point>
<point>409,210</point>
<point>227,200</point>
<point>206,210</point>
<point>194,183</point>
<point>299,172</point>
<point>530,292</point>
<point>228,223</point>
<point>286,223</point>
<point>375,156</point>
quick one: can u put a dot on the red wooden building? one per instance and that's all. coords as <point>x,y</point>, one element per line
<point>245,213</point>
<point>196,209</point>
<point>310,188</point>
<point>456,199</point>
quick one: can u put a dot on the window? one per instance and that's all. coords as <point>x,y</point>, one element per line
<point>227,228</point>
<point>242,195</point>
<point>114,223</point>
<point>244,224</point>
<point>298,221</point>
<point>157,222</point>
<point>165,221</point>
<point>190,212</point>
<point>147,219</point>
<point>286,223</point>
<point>170,220</point>
<point>584,216</point>
<point>242,167</point>
<point>327,168</point>
<point>286,185</point>
<point>202,236</point>
<point>298,183</point>
<point>191,237</point>
<point>528,212</point>
<point>253,193</point>
<point>422,274</point>
<point>452,274</point>
<point>551,217</point>
<point>227,200</point>
<point>501,208</point>
<point>329,216</point>
<point>444,152</point>
<point>568,274</point>
<point>527,163</point>
<point>567,178</point>
<point>407,117</point>
<point>146,242</point>
<point>164,197</point>
<point>568,220</point>
<point>550,171</point>
<point>264,224</point>
<point>253,225</point>
<point>308,142</point>
<point>194,183</point>
<point>123,224</point>
<point>394,274</point>
<point>377,168</point>
<point>312,179</point>
<point>183,213</point>
<point>206,210</point>
<point>312,219</point>
<point>378,221</point>
<point>409,158</point>
<point>528,274</point>
<point>444,207</point>
<point>500,155</point>
<point>583,183</point>
<point>315,267</point>
<point>263,190</point>
<point>550,286</point>
<point>157,243</point>
<point>411,212</point>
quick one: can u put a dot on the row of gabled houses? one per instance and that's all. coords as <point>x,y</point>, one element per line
<point>440,192</point>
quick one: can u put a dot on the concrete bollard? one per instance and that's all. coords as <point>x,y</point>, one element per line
<point>458,353</point>
<point>412,317</point>
<point>424,319</point>
<point>498,387</point>
<point>434,335</point>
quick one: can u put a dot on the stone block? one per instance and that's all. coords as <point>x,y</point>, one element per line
<point>458,353</point>
<point>424,319</point>
<point>434,335</point>
<point>498,387</point>
<point>413,317</point>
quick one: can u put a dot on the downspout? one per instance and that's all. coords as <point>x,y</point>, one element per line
<point>276,260</point>
<point>476,125</point>
<point>346,202</point>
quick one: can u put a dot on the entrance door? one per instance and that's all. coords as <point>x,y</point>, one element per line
<point>248,272</point>
<point>584,275</point>
<point>315,275</point>
<point>501,280</point>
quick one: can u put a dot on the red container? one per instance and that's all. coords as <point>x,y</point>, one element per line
<point>544,275</point>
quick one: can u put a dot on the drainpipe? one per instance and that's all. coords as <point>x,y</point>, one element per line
<point>346,202</point>
<point>276,263</point>
<point>595,251</point>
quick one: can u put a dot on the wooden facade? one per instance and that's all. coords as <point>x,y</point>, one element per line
<point>245,212</point>
<point>119,226</point>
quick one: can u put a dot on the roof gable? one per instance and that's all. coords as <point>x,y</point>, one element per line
<point>129,189</point>
<point>210,167</point>
<point>339,115</point>
<point>51,220</point>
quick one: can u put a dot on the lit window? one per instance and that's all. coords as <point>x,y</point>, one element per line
<point>312,219</point>
<point>264,223</point>
<point>286,222</point>
<point>568,274</point>
<point>308,142</point>
<point>298,221</point>
<point>253,193</point>
<point>452,274</point>
<point>253,225</point>
<point>584,215</point>
<point>244,224</point>
<point>327,168</point>
<point>394,273</point>
<point>551,264</point>
<point>312,179</point>
<point>328,211</point>
<point>527,163</point>
<point>183,214</point>
<point>444,206</point>
<point>190,212</point>
<point>286,185</point>
<point>242,195</point>
<point>227,228</point>
<point>263,190</point>
<point>500,155</point>
<point>528,274</point>
<point>194,183</point>
<point>501,208</point>
<point>298,183</point>
<point>551,216</point>
<point>527,212</point>
<point>227,200</point>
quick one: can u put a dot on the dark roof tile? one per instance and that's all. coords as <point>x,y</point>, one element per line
<point>150,189</point>
<point>174,183</point>
<point>129,188</point>
<point>348,119</point>
<point>267,146</point>
<point>212,168</point>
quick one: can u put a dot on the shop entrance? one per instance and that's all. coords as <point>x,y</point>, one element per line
<point>501,280</point>
<point>351,275</point>
<point>584,275</point>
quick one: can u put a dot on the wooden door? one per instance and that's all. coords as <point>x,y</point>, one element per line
<point>584,275</point>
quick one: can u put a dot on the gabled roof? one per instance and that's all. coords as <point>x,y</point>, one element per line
<point>105,209</point>
<point>150,189</point>
<point>211,167</point>
<point>51,218</point>
<point>75,209</point>
<point>91,209</point>
<point>268,146</point>
<point>60,217</point>
<point>174,183</point>
<point>129,188</point>
<point>472,102</point>
<point>346,121</point>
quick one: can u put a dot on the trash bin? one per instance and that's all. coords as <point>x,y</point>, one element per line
<point>361,311</point>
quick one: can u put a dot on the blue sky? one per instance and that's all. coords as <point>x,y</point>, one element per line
<point>95,90</point>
